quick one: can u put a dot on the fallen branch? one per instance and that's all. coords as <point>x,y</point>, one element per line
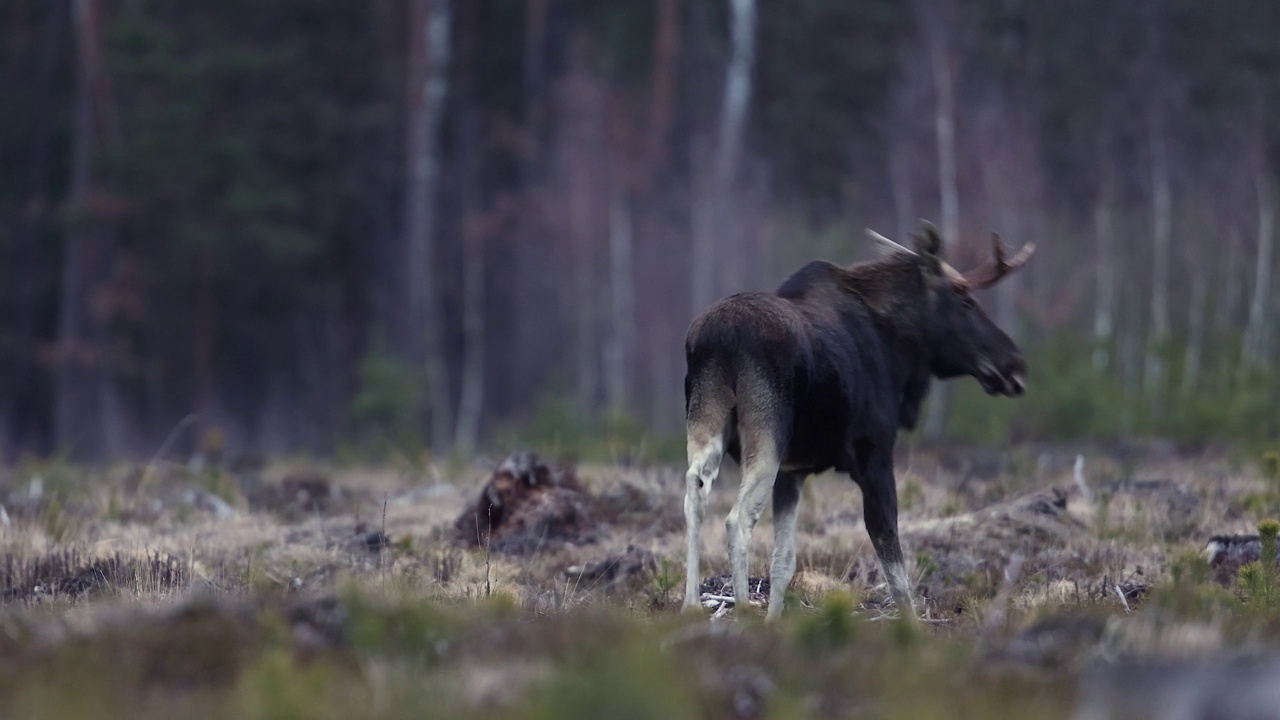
<point>1123,601</point>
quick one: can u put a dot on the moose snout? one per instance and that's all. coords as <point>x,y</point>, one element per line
<point>1005,376</point>
<point>1015,376</point>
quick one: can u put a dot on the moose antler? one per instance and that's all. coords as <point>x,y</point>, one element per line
<point>992,274</point>
<point>889,245</point>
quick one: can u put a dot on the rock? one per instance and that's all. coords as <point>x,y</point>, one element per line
<point>528,506</point>
<point>1227,553</point>
<point>972,544</point>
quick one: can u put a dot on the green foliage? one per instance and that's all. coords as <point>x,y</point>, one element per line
<point>1102,518</point>
<point>387,406</point>
<point>1271,469</point>
<point>1261,580</point>
<point>1068,397</point>
<point>1191,593</point>
<point>559,428</point>
<point>403,628</point>
<point>277,688</point>
<point>833,626</point>
<point>664,581</point>
<point>632,680</point>
<point>57,523</point>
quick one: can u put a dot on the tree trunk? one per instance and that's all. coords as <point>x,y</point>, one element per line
<point>535,38</point>
<point>666,54</point>
<point>1224,312</point>
<point>900,185</point>
<point>15,386</point>
<point>581,147</point>
<point>622,295</point>
<point>709,216</point>
<point>471,402</point>
<point>73,400</point>
<point>428,72</point>
<point>1196,311</point>
<point>1105,269</point>
<point>202,350</point>
<point>1257,341</point>
<point>475,234</point>
<point>1161,248</point>
<point>942,61</point>
<point>945,132</point>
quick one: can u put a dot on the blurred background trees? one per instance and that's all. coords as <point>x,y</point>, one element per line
<point>313,225</point>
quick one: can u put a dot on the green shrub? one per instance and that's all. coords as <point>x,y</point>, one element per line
<point>632,679</point>
<point>1069,397</point>
<point>833,626</point>
<point>558,428</point>
<point>1260,580</point>
<point>387,408</point>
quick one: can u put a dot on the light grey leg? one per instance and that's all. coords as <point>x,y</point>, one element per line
<point>758,473</point>
<point>704,466</point>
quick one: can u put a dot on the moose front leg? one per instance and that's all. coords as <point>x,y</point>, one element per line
<point>880,513</point>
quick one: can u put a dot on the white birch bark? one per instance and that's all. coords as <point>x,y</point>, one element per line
<point>708,218</point>
<point>430,55</point>
<point>936,31</point>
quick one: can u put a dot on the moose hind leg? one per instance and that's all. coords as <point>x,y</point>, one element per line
<point>759,470</point>
<point>704,466</point>
<point>786,505</point>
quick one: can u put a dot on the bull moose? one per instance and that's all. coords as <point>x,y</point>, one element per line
<point>820,375</point>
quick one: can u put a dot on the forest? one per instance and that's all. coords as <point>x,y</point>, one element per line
<point>334,227</point>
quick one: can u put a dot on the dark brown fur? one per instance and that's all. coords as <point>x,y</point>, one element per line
<point>823,372</point>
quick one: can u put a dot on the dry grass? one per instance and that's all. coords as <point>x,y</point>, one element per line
<point>1023,569</point>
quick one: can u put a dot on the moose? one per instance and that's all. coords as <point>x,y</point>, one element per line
<point>820,375</point>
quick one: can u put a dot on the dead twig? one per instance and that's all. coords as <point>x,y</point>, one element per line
<point>1123,601</point>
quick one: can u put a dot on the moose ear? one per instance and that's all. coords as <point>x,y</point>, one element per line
<point>928,245</point>
<point>928,242</point>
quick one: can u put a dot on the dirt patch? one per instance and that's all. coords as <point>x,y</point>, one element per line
<point>526,506</point>
<point>964,545</point>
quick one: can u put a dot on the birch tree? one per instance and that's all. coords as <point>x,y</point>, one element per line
<point>1161,248</point>
<point>1104,262</point>
<point>729,139</point>
<point>429,37</point>
<point>937,21</point>
<point>1257,333</point>
<point>87,412</point>
<point>476,230</point>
